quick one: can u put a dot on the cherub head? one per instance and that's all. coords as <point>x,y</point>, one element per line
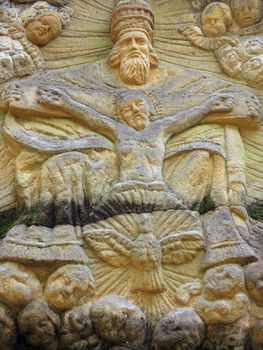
<point>252,70</point>
<point>38,324</point>
<point>8,15</point>
<point>246,12</point>
<point>118,321</point>
<point>76,328</point>
<point>18,285</point>
<point>254,46</point>
<point>7,329</point>
<point>43,22</point>
<point>223,282</point>
<point>216,18</point>
<point>135,109</point>
<point>254,282</point>
<point>68,285</point>
<point>42,29</point>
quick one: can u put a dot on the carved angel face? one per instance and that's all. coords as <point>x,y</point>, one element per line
<point>213,23</point>
<point>254,282</point>
<point>7,329</point>
<point>223,281</point>
<point>17,285</point>
<point>254,46</point>
<point>134,112</point>
<point>42,30</point>
<point>6,67</point>
<point>68,285</point>
<point>246,12</point>
<point>38,323</point>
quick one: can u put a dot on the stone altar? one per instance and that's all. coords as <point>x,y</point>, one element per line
<point>135,150</point>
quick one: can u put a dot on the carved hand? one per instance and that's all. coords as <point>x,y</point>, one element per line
<point>52,97</point>
<point>17,32</point>
<point>220,103</point>
<point>222,41</point>
<point>11,93</point>
<point>254,106</point>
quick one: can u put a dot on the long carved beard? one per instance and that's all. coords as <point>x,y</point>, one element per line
<point>135,70</point>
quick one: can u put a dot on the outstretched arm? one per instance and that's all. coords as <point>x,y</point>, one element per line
<point>184,120</point>
<point>57,99</point>
<point>195,35</point>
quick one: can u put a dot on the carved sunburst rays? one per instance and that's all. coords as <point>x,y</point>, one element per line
<point>143,256</point>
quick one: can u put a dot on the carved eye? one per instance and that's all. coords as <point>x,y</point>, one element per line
<point>139,103</point>
<point>126,109</point>
<point>140,41</point>
<point>124,43</point>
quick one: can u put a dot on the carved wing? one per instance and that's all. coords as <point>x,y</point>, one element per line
<point>109,245</point>
<point>181,248</point>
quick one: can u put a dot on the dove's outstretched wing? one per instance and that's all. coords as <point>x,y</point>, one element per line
<point>181,248</point>
<point>109,245</point>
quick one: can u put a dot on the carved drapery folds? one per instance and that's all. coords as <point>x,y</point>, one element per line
<point>140,182</point>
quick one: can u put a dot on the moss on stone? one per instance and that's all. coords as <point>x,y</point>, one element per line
<point>255,212</point>
<point>7,220</point>
<point>206,205</point>
<point>10,218</point>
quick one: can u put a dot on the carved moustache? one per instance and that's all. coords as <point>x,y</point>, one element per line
<point>138,121</point>
<point>135,68</point>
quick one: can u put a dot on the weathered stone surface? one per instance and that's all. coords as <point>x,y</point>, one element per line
<point>231,336</point>
<point>143,172</point>
<point>254,282</point>
<point>119,321</point>
<point>180,329</point>
<point>69,286</point>
<point>223,282</point>
<point>225,244</point>
<point>223,300</point>
<point>39,325</point>
<point>77,329</point>
<point>256,336</point>
<point>8,332</point>
<point>40,244</point>
<point>18,286</point>
<point>238,58</point>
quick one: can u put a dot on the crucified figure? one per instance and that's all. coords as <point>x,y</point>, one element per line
<point>139,134</point>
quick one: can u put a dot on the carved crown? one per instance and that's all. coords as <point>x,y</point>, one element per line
<point>132,15</point>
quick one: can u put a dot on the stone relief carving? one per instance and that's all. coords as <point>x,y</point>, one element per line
<point>68,285</point>
<point>8,334</point>
<point>39,325</point>
<point>121,158</point>
<point>23,31</point>
<point>44,22</point>
<point>19,285</point>
<point>224,30</point>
